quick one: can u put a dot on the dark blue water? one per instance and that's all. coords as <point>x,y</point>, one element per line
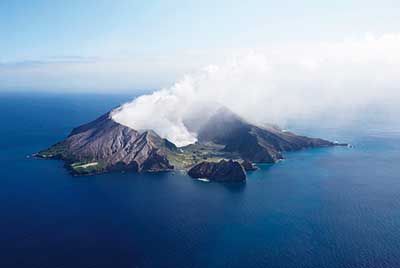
<point>335,207</point>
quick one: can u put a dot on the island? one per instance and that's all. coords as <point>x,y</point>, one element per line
<point>226,148</point>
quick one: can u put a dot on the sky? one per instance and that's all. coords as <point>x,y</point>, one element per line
<point>128,45</point>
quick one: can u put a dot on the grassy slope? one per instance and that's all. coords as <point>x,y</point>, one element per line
<point>185,157</point>
<point>58,151</point>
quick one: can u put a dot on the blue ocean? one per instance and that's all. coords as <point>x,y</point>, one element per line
<point>321,208</point>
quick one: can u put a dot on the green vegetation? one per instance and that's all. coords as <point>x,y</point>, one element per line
<point>57,150</point>
<point>185,157</point>
<point>83,168</point>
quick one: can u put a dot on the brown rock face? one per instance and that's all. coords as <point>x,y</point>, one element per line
<point>253,143</point>
<point>116,146</point>
<point>223,171</point>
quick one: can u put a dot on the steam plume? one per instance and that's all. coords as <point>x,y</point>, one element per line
<point>329,81</point>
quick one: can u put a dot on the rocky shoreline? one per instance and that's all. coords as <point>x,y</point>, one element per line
<point>226,148</point>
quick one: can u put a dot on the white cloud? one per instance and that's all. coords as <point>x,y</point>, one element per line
<point>331,81</point>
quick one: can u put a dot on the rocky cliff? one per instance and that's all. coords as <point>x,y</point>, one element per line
<point>251,142</point>
<point>113,147</point>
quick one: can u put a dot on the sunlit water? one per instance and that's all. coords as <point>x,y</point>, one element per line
<point>334,207</point>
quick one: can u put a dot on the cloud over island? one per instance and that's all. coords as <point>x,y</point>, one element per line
<point>335,81</point>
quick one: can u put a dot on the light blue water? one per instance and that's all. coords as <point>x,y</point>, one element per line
<point>334,207</point>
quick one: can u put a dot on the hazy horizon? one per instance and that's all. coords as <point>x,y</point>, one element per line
<point>268,62</point>
<point>123,46</point>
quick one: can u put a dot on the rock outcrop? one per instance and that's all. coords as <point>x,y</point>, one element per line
<point>223,171</point>
<point>248,166</point>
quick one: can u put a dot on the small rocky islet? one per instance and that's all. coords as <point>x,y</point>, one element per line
<point>218,171</point>
<point>226,149</point>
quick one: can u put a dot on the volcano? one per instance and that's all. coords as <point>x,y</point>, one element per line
<point>105,145</point>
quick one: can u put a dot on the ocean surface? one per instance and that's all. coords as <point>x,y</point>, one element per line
<point>333,207</point>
